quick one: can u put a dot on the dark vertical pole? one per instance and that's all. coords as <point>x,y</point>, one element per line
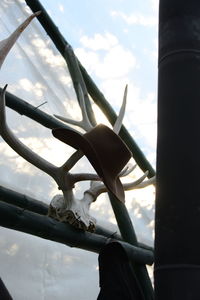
<point>177,238</point>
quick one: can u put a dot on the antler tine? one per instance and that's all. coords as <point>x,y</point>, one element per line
<point>84,176</point>
<point>85,122</point>
<point>18,146</point>
<point>134,184</point>
<point>69,121</point>
<point>7,44</point>
<point>118,124</point>
<point>98,189</point>
<point>146,183</point>
<point>127,170</point>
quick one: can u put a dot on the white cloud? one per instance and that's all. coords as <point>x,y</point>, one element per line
<point>90,59</point>
<point>61,7</point>
<point>112,66</point>
<point>155,5</point>
<point>140,117</point>
<point>114,62</point>
<point>38,89</point>
<point>142,114</point>
<point>136,18</point>
<point>152,52</point>
<point>99,41</point>
<point>113,90</point>
<point>47,54</point>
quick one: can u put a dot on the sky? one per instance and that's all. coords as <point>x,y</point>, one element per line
<point>116,41</point>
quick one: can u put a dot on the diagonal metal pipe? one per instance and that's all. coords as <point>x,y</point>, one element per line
<point>32,112</point>
<point>177,223</point>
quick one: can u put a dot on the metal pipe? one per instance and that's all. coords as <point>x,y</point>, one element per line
<point>177,223</point>
<point>28,203</point>
<point>17,218</point>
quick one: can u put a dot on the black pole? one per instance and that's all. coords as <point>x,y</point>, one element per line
<point>177,235</point>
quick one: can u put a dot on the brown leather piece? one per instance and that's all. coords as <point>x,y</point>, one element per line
<point>105,150</point>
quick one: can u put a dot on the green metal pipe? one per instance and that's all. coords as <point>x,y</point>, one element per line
<point>32,112</point>
<point>128,234</point>
<point>28,203</point>
<point>44,227</point>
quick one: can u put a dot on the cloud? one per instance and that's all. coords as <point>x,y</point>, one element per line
<point>141,123</point>
<point>99,41</point>
<point>136,18</point>
<point>113,62</point>
<point>38,89</point>
<point>113,90</point>
<point>46,53</point>
<point>116,63</point>
<point>90,59</point>
<point>61,7</point>
<point>152,52</point>
<point>155,5</point>
<point>141,114</point>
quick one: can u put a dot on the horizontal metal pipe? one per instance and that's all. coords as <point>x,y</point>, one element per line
<point>17,218</point>
<point>34,205</point>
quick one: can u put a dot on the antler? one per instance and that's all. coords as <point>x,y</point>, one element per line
<point>85,122</point>
<point>7,44</point>
<point>61,175</point>
<point>127,170</point>
<point>118,124</point>
<point>77,213</point>
<point>98,188</point>
<point>67,207</point>
<point>18,146</point>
